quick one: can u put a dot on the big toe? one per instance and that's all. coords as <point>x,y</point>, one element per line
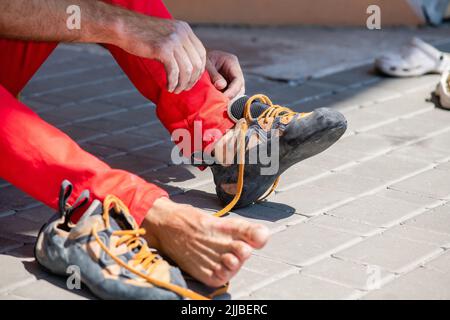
<point>255,235</point>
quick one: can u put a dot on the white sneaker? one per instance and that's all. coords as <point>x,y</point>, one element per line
<point>414,59</point>
<point>443,90</point>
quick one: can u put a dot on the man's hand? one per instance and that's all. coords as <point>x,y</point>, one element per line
<point>170,41</point>
<point>226,73</point>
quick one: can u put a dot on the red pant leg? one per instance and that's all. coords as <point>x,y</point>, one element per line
<point>36,157</point>
<point>19,60</point>
<point>203,103</point>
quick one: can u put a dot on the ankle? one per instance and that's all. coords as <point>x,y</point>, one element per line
<point>154,219</point>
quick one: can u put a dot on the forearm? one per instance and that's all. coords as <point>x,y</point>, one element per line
<point>46,20</point>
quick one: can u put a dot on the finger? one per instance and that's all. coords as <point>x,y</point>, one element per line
<point>185,70</point>
<point>200,49</point>
<point>216,78</point>
<point>235,88</point>
<point>172,72</point>
<point>196,63</point>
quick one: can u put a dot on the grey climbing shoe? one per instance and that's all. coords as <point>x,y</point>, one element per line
<point>270,139</point>
<point>106,246</point>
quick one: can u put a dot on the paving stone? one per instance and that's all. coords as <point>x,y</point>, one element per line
<point>422,201</point>
<point>388,252</point>
<point>125,141</point>
<point>444,166</point>
<point>283,94</point>
<point>255,271</point>
<point>422,85</point>
<point>363,145</point>
<point>386,168</point>
<point>438,142</point>
<point>349,183</point>
<point>440,263</point>
<point>19,229</point>
<point>349,274</point>
<point>108,124</point>
<point>199,199</point>
<point>354,76</point>
<point>127,100</point>
<point>316,242</point>
<point>73,77</point>
<point>402,106</point>
<point>142,116</point>
<point>298,173</point>
<point>433,183</point>
<point>408,129</point>
<point>51,289</point>
<point>301,287</point>
<point>361,120</point>
<point>96,89</point>
<point>160,152</point>
<point>417,234</point>
<point>419,284</point>
<point>377,210</point>
<point>10,297</point>
<point>308,199</point>
<point>369,94</point>
<point>80,111</point>
<point>81,134</point>
<point>273,218</point>
<point>336,101</point>
<point>182,176</point>
<point>329,160</point>
<point>344,225</point>
<point>12,198</point>
<point>135,164</point>
<point>8,244</point>
<point>153,130</point>
<point>16,271</point>
<point>437,220</point>
<point>39,214</point>
<point>101,151</point>
<point>419,151</point>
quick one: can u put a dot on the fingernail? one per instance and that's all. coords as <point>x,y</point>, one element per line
<point>220,83</point>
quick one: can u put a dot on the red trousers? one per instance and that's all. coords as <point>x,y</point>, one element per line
<point>36,157</point>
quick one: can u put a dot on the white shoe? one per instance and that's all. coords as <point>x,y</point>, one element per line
<point>443,90</point>
<point>415,59</point>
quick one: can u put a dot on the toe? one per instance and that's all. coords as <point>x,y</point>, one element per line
<point>231,262</point>
<point>254,234</point>
<point>241,250</point>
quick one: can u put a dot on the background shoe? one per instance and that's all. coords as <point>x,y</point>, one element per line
<point>415,59</point>
<point>283,135</point>
<point>443,90</point>
<point>115,262</point>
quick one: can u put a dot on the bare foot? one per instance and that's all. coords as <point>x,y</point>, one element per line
<point>210,249</point>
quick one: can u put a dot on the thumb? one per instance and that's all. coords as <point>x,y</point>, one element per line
<point>216,78</point>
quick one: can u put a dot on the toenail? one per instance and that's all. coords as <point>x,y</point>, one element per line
<point>260,234</point>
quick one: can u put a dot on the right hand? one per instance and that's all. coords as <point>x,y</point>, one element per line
<point>171,42</point>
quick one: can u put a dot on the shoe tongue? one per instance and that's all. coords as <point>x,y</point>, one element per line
<point>236,109</point>
<point>118,221</point>
<point>121,220</point>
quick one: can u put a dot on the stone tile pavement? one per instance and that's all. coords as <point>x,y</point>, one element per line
<point>367,219</point>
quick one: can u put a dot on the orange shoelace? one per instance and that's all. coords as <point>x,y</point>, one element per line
<point>146,258</point>
<point>271,112</point>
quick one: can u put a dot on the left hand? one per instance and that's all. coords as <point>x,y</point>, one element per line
<point>226,73</point>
